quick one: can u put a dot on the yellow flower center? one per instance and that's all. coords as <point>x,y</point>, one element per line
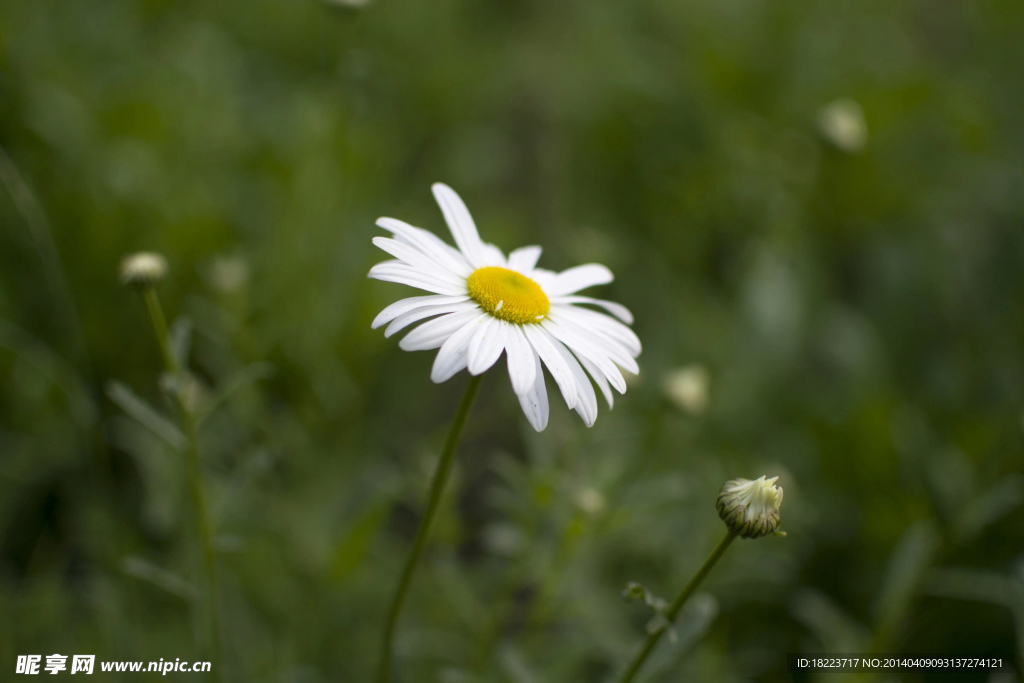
<point>508,295</point>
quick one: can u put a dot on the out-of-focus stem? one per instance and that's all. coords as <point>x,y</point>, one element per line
<point>194,469</point>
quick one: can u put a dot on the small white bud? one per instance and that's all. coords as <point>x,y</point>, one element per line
<point>750,508</point>
<point>143,270</point>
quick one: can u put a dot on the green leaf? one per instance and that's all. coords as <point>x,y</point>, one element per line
<point>353,546</point>
<point>515,666</point>
<point>250,374</point>
<point>159,577</point>
<point>698,615</point>
<point>990,507</point>
<point>911,558</point>
<point>836,630</point>
<point>53,367</point>
<point>969,584</point>
<point>659,622</point>
<point>145,414</point>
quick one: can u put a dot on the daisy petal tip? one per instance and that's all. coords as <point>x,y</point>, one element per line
<point>539,422</point>
<point>589,417</point>
<point>442,193</point>
<point>437,378</point>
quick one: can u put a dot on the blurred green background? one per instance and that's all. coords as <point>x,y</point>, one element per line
<point>813,207</point>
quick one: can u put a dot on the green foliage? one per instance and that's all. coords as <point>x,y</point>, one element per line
<point>855,310</point>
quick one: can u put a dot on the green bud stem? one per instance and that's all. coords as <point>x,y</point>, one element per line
<point>673,611</point>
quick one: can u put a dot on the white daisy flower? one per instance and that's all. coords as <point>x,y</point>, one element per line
<point>484,304</point>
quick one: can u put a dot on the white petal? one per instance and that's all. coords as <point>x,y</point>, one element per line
<point>594,337</point>
<point>544,345</point>
<point>586,399</point>
<point>585,347</point>
<point>418,258</point>
<point>524,259</point>
<point>433,333</point>
<point>535,401</point>
<point>580,277</point>
<point>486,345</point>
<point>618,310</point>
<point>460,222</point>
<point>545,278</point>
<point>396,271</point>
<point>403,306</point>
<point>598,323</point>
<point>429,243</point>
<point>615,351</point>
<point>600,380</point>
<point>454,353</point>
<point>520,356</point>
<point>403,321</point>
<point>493,256</point>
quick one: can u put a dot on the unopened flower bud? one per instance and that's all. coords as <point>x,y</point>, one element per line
<point>143,270</point>
<point>750,508</point>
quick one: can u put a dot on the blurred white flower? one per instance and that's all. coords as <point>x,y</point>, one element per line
<point>842,123</point>
<point>687,387</point>
<point>228,274</point>
<point>485,304</point>
<point>503,539</point>
<point>143,270</point>
<point>590,501</point>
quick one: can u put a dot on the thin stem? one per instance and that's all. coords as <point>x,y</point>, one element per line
<point>444,466</point>
<point>197,486</point>
<point>677,604</point>
<point>163,335</point>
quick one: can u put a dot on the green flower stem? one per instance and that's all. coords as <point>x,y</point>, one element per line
<point>444,467</point>
<point>195,475</point>
<point>163,335</point>
<point>677,604</point>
